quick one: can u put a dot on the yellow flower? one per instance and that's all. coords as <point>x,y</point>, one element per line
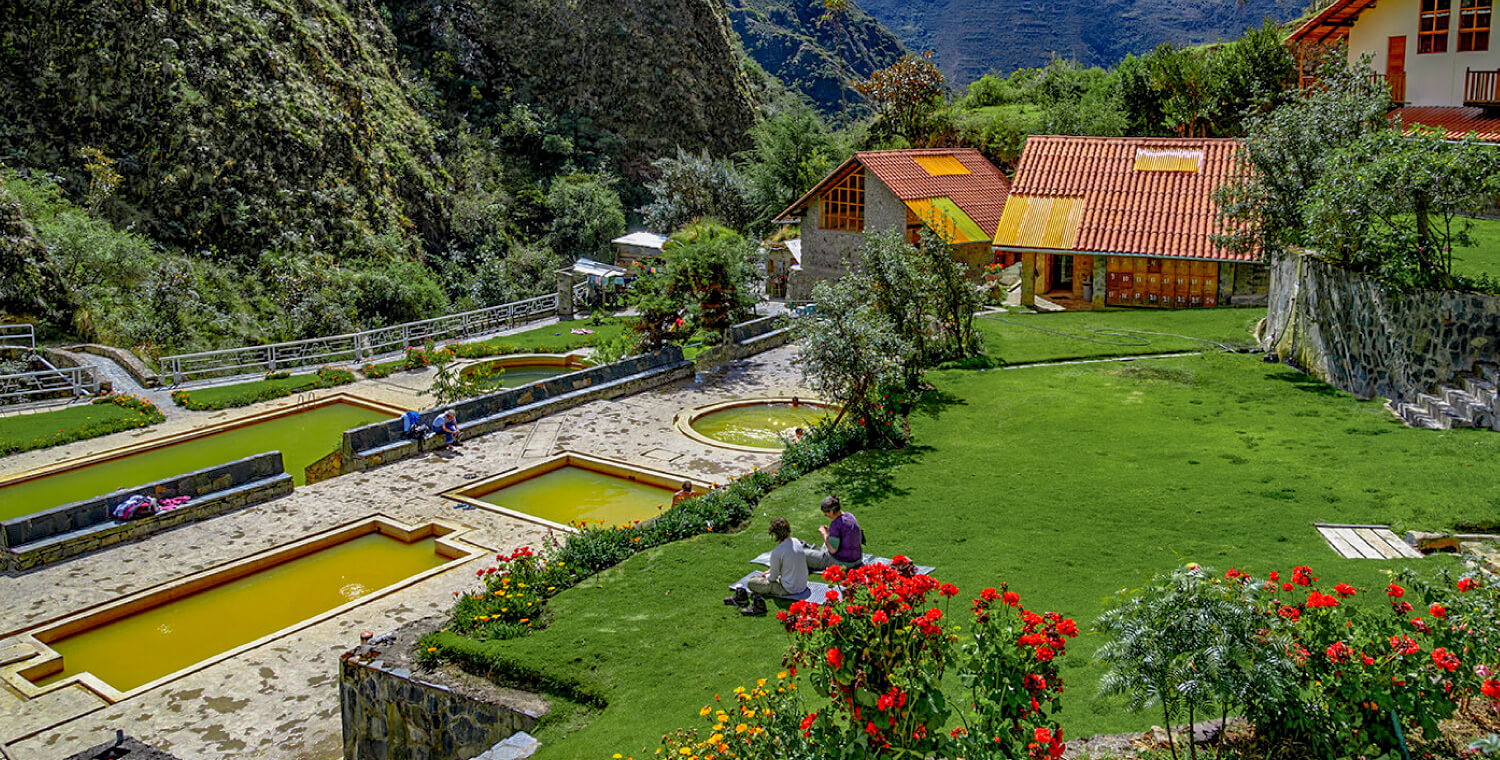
<point>705,710</point>
<point>741,728</point>
<point>430,650</point>
<point>760,682</point>
<point>782,674</point>
<point>684,751</point>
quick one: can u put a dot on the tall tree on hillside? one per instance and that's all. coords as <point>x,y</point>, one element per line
<point>834,12</point>
<point>793,150</point>
<point>692,186</point>
<point>905,94</point>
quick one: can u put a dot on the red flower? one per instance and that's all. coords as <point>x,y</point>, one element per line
<point>1275,577</point>
<point>1302,576</point>
<point>835,658</point>
<point>808,721</point>
<point>1404,645</point>
<point>1318,599</point>
<point>1012,598</point>
<point>1466,585</point>
<point>871,729</point>
<point>1068,628</point>
<point>1286,587</point>
<point>988,594</point>
<point>879,618</point>
<point>1491,688</point>
<point>1420,625</point>
<point>948,589</point>
<point>1290,613</point>
<point>1045,654</point>
<point>1438,610</point>
<point>957,732</point>
<point>1338,652</point>
<point>834,574</point>
<point>1444,659</point>
<point>1043,736</point>
<point>1394,591</point>
<point>1344,590</point>
<point>1402,607</point>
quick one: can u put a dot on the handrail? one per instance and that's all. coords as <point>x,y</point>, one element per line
<point>18,335</point>
<point>25,386</point>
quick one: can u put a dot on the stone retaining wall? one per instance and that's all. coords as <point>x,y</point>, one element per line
<point>391,712</point>
<point>61,532</point>
<point>1348,330</point>
<point>747,339</point>
<point>381,442</point>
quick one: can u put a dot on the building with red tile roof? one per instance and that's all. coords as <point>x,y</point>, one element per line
<point>1124,221</point>
<point>954,191</point>
<point>1432,53</point>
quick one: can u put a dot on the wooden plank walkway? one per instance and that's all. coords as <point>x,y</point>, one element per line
<point>1366,542</point>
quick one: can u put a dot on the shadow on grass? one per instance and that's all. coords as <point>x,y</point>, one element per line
<point>934,402</point>
<point>1304,382</point>
<point>868,476</point>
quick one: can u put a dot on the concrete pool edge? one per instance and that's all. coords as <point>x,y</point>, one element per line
<point>572,361</point>
<point>138,447</point>
<point>467,493</point>
<point>684,419</point>
<point>43,660</point>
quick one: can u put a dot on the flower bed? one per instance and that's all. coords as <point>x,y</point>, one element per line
<point>107,414</point>
<point>274,385</point>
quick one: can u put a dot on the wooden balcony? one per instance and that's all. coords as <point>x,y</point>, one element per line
<point>1397,83</point>
<point>1482,88</point>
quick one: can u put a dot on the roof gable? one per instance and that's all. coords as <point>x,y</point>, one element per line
<point>1119,195</point>
<point>1332,23</point>
<point>961,175</point>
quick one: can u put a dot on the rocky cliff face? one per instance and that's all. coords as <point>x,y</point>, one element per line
<point>812,55</point>
<point>972,37</point>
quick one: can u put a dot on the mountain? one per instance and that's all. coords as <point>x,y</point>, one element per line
<point>793,41</point>
<point>974,37</point>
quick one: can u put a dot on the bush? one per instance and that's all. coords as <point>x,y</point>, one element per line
<point>275,385</point>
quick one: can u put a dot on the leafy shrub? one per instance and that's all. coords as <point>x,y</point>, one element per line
<point>376,371</point>
<point>513,596</point>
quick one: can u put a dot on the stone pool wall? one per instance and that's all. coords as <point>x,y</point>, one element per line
<point>748,339</point>
<point>56,534</point>
<point>392,713</point>
<point>1351,332</point>
<point>381,442</point>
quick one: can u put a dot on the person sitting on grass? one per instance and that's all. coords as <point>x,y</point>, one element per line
<point>787,575</point>
<point>843,541</point>
<point>447,424</point>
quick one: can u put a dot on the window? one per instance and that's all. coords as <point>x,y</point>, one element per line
<point>1432,26</point>
<point>1474,25</point>
<point>844,204</point>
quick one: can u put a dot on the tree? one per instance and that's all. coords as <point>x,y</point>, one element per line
<point>1287,151</point>
<point>707,281</point>
<point>952,300</point>
<point>691,186</point>
<point>834,12</point>
<point>905,94</point>
<point>850,351</point>
<point>793,150</point>
<point>586,216</point>
<point>1392,203</point>
<point>891,274</point>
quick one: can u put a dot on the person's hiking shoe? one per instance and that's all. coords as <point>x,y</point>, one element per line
<point>756,608</point>
<point>741,598</point>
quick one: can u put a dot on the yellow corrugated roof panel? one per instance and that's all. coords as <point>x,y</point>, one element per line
<point>941,166</point>
<point>1040,221</point>
<point>945,218</point>
<point>1167,160</point>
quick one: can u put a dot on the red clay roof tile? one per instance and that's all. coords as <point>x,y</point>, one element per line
<point>1457,121</point>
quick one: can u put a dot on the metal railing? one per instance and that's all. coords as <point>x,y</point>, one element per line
<point>359,346</point>
<point>1481,88</point>
<point>20,335</point>
<point>47,384</point>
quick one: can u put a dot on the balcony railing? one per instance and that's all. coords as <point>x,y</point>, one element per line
<point>1397,83</point>
<point>1482,88</point>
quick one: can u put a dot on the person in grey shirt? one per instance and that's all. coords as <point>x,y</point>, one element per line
<point>786,576</point>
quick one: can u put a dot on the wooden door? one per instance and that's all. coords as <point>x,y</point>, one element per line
<point>1395,67</point>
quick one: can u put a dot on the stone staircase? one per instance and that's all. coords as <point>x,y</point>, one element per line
<point>1468,401</point>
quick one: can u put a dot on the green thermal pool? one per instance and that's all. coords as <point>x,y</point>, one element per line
<point>143,647</point>
<point>302,438</point>
<point>518,375</point>
<point>757,425</point>
<point>570,494</point>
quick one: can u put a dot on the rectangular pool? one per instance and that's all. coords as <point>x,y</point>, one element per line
<point>572,490</point>
<point>140,641</point>
<point>302,437</point>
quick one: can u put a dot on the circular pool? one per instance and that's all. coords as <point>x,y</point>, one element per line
<point>751,424</point>
<point>521,369</point>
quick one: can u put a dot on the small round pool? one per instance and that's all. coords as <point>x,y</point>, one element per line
<point>522,369</point>
<point>754,424</point>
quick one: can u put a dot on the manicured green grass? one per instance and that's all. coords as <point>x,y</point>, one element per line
<point>1068,482</point>
<point>1483,258</point>
<point>75,423</point>
<point>1064,335</point>
<point>559,338</point>
<point>244,394</point>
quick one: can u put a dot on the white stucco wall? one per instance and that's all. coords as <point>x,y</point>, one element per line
<point>1432,79</point>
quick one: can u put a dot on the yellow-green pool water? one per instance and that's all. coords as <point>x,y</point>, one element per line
<point>143,647</point>
<point>302,438</point>
<point>570,494</point>
<point>757,425</point>
<point>518,375</point>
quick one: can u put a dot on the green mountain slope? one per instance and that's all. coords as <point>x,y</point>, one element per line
<point>972,37</point>
<point>811,55</point>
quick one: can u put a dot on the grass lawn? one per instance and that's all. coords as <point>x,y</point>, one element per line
<point>1064,335</point>
<point>1483,259</point>
<point>1068,482</point>
<point>559,338</point>
<point>25,432</point>
<point>243,394</point>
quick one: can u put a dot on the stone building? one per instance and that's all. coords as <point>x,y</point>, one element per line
<point>954,191</point>
<point>1124,221</point>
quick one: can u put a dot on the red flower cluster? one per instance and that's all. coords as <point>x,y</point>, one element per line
<point>1302,576</point>
<point>1318,599</point>
<point>1046,745</point>
<point>1394,591</point>
<point>1444,659</point>
<point>1339,652</point>
<point>520,553</point>
<point>1465,585</point>
<point>1404,645</point>
<point>1491,688</point>
<point>1344,590</point>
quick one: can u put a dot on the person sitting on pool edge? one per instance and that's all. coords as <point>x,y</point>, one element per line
<point>843,541</point>
<point>786,576</point>
<point>447,424</point>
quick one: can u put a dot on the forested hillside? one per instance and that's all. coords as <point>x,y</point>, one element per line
<point>813,52</point>
<point>973,37</point>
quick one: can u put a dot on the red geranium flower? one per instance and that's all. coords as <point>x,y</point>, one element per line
<point>1491,688</point>
<point>948,589</point>
<point>1394,591</point>
<point>1466,584</point>
<point>1043,735</point>
<point>1444,659</point>
<point>1344,590</point>
<point>1012,598</point>
<point>879,617</point>
<point>835,658</point>
<point>988,594</point>
<point>1438,610</point>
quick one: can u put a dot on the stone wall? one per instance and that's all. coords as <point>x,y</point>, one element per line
<point>381,442</point>
<point>824,251</point>
<point>133,364</point>
<point>1349,331</point>
<point>747,339</point>
<point>67,531</point>
<point>394,710</point>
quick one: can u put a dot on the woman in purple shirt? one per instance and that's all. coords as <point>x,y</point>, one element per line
<point>843,541</point>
